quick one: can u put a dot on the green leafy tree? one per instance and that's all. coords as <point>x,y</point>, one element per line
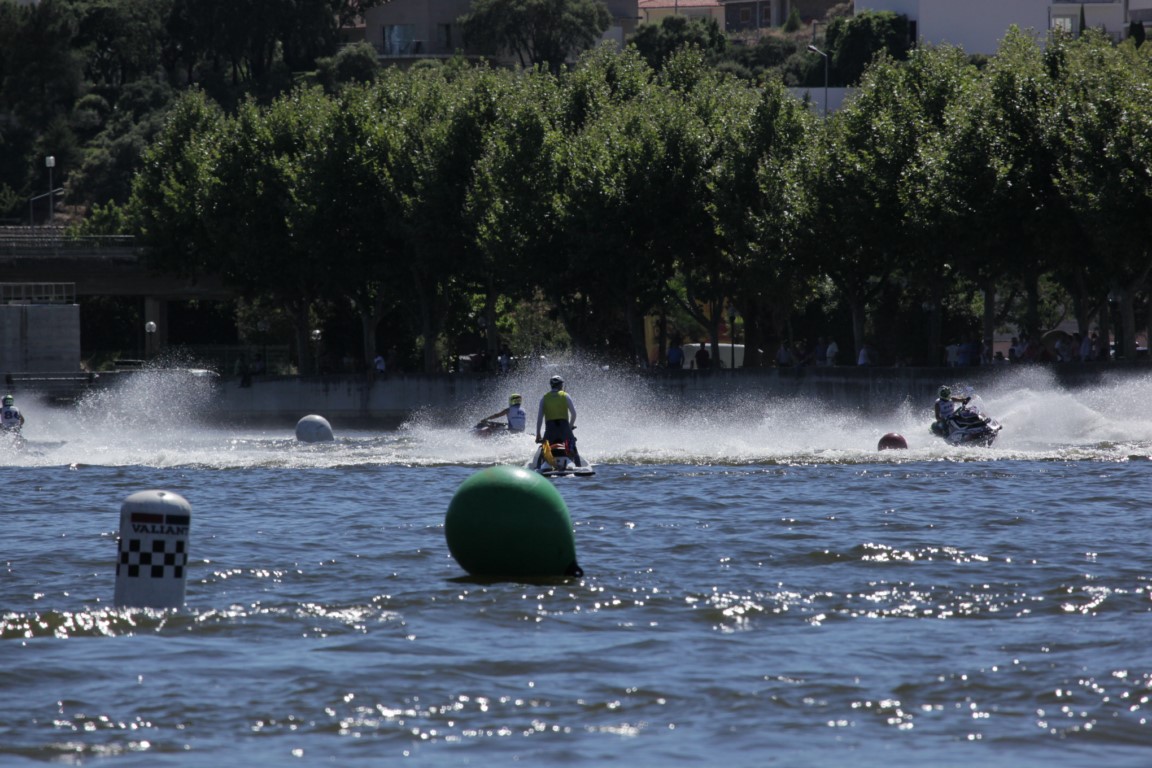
<point>356,63</point>
<point>537,32</point>
<point>753,185</point>
<point>657,42</point>
<point>1104,129</point>
<point>849,196</point>
<point>513,204</point>
<point>853,42</point>
<point>171,192</point>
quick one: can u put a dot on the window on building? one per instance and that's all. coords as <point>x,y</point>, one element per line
<point>399,39</point>
<point>1063,23</point>
<point>745,15</point>
<point>444,37</point>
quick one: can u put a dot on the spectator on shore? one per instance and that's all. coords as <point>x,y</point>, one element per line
<point>820,353</point>
<point>1086,348</point>
<point>783,355</point>
<point>952,354</point>
<point>675,357</point>
<point>703,358</point>
<point>832,351</point>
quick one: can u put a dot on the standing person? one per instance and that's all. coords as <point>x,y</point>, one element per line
<point>675,357</point>
<point>703,358</point>
<point>11,420</point>
<point>820,353</point>
<point>558,415</point>
<point>517,416</point>
<point>379,365</point>
<point>832,350</point>
<point>783,355</point>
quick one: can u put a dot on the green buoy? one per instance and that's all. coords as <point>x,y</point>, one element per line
<point>510,522</point>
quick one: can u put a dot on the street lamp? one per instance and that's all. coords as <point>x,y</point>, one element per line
<point>149,339</point>
<point>50,163</point>
<point>316,336</point>
<point>819,52</point>
<point>732,333</point>
<point>262,327</point>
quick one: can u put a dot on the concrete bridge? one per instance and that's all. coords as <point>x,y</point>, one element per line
<point>99,266</point>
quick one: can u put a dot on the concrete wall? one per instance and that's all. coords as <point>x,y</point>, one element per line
<point>39,338</point>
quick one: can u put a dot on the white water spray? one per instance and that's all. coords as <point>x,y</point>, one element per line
<point>623,419</point>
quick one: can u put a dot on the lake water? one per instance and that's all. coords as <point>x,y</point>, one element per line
<point>762,587</point>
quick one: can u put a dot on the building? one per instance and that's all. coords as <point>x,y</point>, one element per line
<point>730,15</point>
<point>978,26</point>
<point>428,29</point>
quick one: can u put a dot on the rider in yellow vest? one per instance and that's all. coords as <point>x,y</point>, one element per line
<point>558,415</point>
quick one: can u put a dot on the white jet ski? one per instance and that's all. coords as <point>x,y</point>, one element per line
<point>552,460</point>
<point>969,425</point>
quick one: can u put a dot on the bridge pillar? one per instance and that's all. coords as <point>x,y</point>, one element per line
<point>155,311</point>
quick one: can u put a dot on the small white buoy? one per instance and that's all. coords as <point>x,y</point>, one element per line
<point>153,550</point>
<point>313,429</point>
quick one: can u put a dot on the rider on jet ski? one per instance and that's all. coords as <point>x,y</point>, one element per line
<point>946,409</point>
<point>557,414</point>
<point>517,416</point>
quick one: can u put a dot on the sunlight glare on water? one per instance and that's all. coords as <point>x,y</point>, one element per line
<point>761,585</point>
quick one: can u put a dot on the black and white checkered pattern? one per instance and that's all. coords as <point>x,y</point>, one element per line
<point>155,564</point>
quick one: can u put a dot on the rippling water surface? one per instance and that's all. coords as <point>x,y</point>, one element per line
<point>762,587</point>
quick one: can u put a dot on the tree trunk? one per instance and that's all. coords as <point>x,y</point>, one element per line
<point>857,305</point>
<point>988,326</point>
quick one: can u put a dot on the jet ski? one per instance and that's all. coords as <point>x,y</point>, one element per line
<point>552,459</point>
<point>490,429</point>
<point>969,425</point>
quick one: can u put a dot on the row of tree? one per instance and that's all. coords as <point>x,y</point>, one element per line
<point>943,197</point>
<point>88,81</point>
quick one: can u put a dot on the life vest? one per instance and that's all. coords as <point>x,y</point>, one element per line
<point>556,405</point>
<point>517,418</point>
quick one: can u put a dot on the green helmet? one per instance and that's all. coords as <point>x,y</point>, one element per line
<point>8,400</point>
<point>945,393</point>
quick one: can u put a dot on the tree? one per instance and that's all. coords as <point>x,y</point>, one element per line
<point>853,42</point>
<point>657,42</point>
<point>1103,130</point>
<point>537,32</point>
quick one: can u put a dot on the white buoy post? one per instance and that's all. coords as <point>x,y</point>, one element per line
<point>153,550</point>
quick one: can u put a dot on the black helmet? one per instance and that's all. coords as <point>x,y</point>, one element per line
<point>556,382</point>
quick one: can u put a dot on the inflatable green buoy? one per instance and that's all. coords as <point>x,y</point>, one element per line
<point>510,522</point>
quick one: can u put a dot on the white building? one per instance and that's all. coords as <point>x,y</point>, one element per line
<point>978,26</point>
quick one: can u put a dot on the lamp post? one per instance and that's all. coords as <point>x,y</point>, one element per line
<point>316,336</point>
<point>732,333</point>
<point>262,327</point>
<point>50,163</point>
<point>819,52</point>
<point>149,339</point>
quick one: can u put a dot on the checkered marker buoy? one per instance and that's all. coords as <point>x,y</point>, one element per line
<point>153,550</point>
